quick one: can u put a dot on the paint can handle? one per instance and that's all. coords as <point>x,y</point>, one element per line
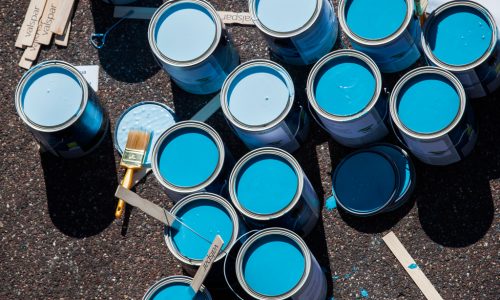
<point>313,115</point>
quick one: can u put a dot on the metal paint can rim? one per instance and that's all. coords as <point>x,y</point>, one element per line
<point>249,156</point>
<point>378,42</point>
<point>45,65</point>
<point>430,22</point>
<point>281,232</point>
<point>173,279</point>
<point>245,66</point>
<point>182,125</point>
<point>162,9</point>
<point>283,35</point>
<point>326,59</point>
<point>420,71</point>
<point>383,207</point>
<point>210,197</point>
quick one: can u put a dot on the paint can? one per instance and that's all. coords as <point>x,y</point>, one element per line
<point>152,116</point>
<point>298,33</point>
<point>61,110</point>
<point>462,37</point>
<point>366,182</point>
<point>176,287</point>
<point>191,43</point>
<point>190,157</point>
<point>432,116</point>
<point>209,215</point>
<point>257,100</point>
<point>344,90</point>
<point>389,34</point>
<point>275,263</point>
<point>269,188</point>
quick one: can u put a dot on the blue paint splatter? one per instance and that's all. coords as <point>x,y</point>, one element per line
<point>413,266</point>
<point>364,293</point>
<point>331,203</point>
<point>335,277</point>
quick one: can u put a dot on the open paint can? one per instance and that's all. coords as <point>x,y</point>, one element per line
<point>345,93</point>
<point>190,157</point>
<point>204,215</point>
<point>388,31</point>
<point>190,41</point>
<point>462,37</point>
<point>275,263</point>
<point>151,116</point>
<point>176,288</point>
<point>268,187</point>
<point>298,33</point>
<point>61,110</point>
<point>429,109</point>
<point>257,100</point>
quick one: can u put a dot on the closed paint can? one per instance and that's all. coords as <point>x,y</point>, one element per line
<point>275,263</point>
<point>430,110</point>
<point>190,41</point>
<point>345,92</point>
<point>406,172</point>
<point>208,215</point>
<point>388,31</point>
<point>190,157</point>
<point>298,32</point>
<point>61,110</point>
<point>268,187</point>
<point>176,287</point>
<point>366,183</point>
<point>462,37</point>
<point>257,100</point>
<point>151,116</point>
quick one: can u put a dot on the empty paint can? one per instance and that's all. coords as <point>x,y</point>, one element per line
<point>268,187</point>
<point>462,37</point>
<point>190,41</point>
<point>431,114</point>
<point>61,110</point>
<point>209,215</point>
<point>257,99</point>
<point>176,287</point>
<point>345,92</point>
<point>388,31</point>
<point>298,32</point>
<point>190,157</point>
<point>366,182</point>
<point>151,116</point>
<point>275,263</point>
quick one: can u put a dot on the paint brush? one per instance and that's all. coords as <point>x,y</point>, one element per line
<point>132,159</point>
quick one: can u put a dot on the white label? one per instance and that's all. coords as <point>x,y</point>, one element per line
<point>91,74</point>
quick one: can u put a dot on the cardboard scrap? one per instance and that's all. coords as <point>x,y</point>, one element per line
<point>30,24</point>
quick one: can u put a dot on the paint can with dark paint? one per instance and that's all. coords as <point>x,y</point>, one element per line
<point>462,37</point>
<point>297,34</point>
<point>61,109</point>
<point>190,157</point>
<point>345,93</point>
<point>269,188</point>
<point>206,56</point>
<point>258,101</point>
<point>432,117</point>
<point>176,287</point>
<point>390,35</point>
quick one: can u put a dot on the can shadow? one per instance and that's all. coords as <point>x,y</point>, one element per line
<point>80,192</point>
<point>126,55</point>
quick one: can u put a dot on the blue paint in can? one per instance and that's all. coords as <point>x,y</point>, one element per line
<point>390,37</point>
<point>176,287</point>
<point>152,116</point>
<point>189,40</point>
<point>298,32</point>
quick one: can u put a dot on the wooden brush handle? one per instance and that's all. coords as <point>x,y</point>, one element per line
<point>127,183</point>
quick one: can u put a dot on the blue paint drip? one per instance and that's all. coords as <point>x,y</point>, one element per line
<point>364,293</point>
<point>331,203</point>
<point>413,266</point>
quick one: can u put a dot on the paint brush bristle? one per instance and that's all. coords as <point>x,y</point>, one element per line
<point>135,150</point>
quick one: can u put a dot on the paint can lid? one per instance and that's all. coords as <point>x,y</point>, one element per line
<point>365,182</point>
<point>152,116</point>
<point>175,287</point>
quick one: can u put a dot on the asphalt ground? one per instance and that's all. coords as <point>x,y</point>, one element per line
<point>59,239</point>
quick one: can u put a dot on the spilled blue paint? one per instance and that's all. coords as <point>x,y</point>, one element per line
<point>364,293</point>
<point>413,266</point>
<point>331,203</point>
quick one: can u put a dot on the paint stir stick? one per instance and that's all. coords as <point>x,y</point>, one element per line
<point>411,267</point>
<point>207,263</point>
